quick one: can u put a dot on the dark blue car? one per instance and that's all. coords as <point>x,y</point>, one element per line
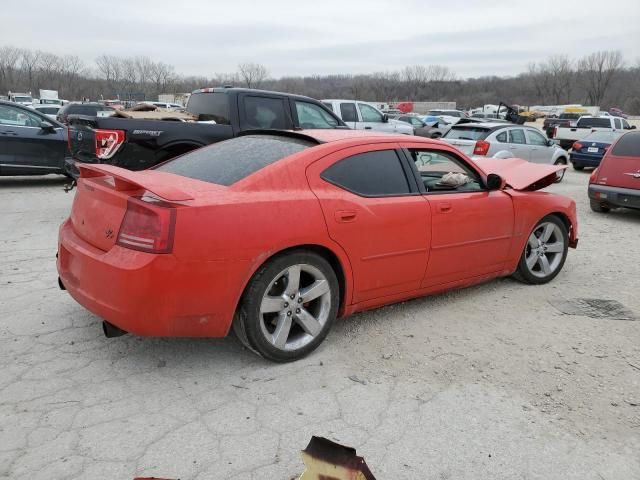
<point>30,143</point>
<point>589,151</point>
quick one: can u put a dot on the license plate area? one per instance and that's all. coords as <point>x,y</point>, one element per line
<point>592,149</point>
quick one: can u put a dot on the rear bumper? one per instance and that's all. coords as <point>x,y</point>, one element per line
<point>585,160</point>
<point>147,294</point>
<point>615,196</point>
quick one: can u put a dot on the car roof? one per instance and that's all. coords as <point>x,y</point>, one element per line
<point>322,136</point>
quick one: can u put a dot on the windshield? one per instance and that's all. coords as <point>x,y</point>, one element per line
<point>467,133</point>
<point>604,137</point>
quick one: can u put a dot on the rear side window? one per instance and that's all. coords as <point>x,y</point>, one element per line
<point>627,146</point>
<point>209,107</point>
<point>517,136</point>
<point>371,174</point>
<point>227,162</point>
<point>467,133</point>
<point>617,123</point>
<point>348,112</point>
<point>594,122</point>
<point>265,112</point>
<point>502,137</point>
<point>313,116</point>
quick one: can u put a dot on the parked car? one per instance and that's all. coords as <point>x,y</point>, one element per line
<point>50,110</point>
<point>500,140</point>
<point>450,116</point>
<point>265,232</point>
<point>616,182</point>
<point>589,151</point>
<point>567,136</point>
<point>221,113</point>
<point>420,128</point>
<point>90,108</point>
<point>30,142</point>
<point>364,116</point>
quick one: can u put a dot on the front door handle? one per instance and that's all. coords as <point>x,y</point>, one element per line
<point>444,207</point>
<point>345,216</point>
<point>367,128</point>
<point>8,132</point>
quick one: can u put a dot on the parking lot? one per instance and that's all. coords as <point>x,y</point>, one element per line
<point>493,381</point>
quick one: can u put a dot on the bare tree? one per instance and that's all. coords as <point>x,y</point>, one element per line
<point>29,60</point>
<point>252,74</point>
<point>597,71</point>
<point>9,58</point>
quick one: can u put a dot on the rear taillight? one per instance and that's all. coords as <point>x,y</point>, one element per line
<point>554,132</point>
<point>577,146</point>
<point>594,176</point>
<point>108,142</point>
<point>481,148</point>
<point>148,226</point>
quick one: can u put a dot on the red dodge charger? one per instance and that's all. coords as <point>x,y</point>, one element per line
<point>279,233</point>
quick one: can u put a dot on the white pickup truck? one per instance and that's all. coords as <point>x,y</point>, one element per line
<point>566,136</point>
<point>364,116</point>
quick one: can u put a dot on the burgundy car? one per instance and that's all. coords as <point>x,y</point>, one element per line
<point>616,182</point>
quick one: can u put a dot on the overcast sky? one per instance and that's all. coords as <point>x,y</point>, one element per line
<point>203,37</point>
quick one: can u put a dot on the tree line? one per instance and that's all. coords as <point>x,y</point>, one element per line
<point>600,78</point>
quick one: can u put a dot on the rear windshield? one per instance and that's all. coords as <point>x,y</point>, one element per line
<point>49,110</point>
<point>91,110</point>
<point>595,122</point>
<point>628,145</point>
<point>570,116</point>
<point>467,133</point>
<point>227,162</point>
<point>210,106</point>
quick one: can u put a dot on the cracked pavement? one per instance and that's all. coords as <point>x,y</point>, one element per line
<point>487,382</point>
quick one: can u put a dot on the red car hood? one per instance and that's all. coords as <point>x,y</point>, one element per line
<point>520,174</point>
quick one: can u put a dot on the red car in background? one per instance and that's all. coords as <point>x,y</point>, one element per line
<point>616,182</point>
<point>279,233</point>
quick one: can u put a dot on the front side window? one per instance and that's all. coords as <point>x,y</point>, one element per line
<point>227,162</point>
<point>625,125</point>
<point>369,114</point>
<point>371,174</point>
<point>348,112</point>
<point>265,112</point>
<point>517,136</point>
<point>443,172</point>
<point>536,139</point>
<point>312,116</point>
<point>18,117</point>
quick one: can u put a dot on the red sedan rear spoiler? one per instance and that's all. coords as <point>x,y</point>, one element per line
<point>128,180</point>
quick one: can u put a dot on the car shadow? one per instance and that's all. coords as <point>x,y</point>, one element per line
<point>34,181</point>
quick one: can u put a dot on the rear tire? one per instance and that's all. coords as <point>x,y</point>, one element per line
<point>288,306</point>
<point>544,253</point>
<point>578,167</point>
<point>598,207</point>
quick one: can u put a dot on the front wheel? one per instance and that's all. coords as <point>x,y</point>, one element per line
<point>560,174</point>
<point>288,306</point>
<point>544,253</point>
<point>578,167</point>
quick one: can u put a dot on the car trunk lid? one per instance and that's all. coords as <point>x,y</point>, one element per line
<point>104,191</point>
<point>520,174</point>
<point>619,171</point>
<point>465,146</point>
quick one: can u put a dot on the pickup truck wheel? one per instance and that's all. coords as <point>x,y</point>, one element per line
<point>598,207</point>
<point>544,253</point>
<point>288,306</point>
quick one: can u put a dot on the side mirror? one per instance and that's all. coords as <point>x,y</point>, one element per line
<point>550,143</point>
<point>385,118</point>
<point>46,126</point>
<point>494,181</point>
<point>633,127</point>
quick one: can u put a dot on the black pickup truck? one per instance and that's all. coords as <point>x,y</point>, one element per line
<point>220,114</point>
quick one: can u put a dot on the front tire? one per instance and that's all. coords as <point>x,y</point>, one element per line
<point>544,253</point>
<point>288,307</point>
<point>560,175</point>
<point>578,167</point>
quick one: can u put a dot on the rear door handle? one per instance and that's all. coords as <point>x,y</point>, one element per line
<point>367,128</point>
<point>345,216</point>
<point>8,132</point>
<point>444,207</point>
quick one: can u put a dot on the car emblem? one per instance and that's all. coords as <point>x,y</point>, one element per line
<point>634,175</point>
<point>79,136</point>
<point>108,233</point>
<point>593,144</point>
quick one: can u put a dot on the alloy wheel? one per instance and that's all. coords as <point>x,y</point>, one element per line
<point>295,307</point>
<point>545,250</point>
